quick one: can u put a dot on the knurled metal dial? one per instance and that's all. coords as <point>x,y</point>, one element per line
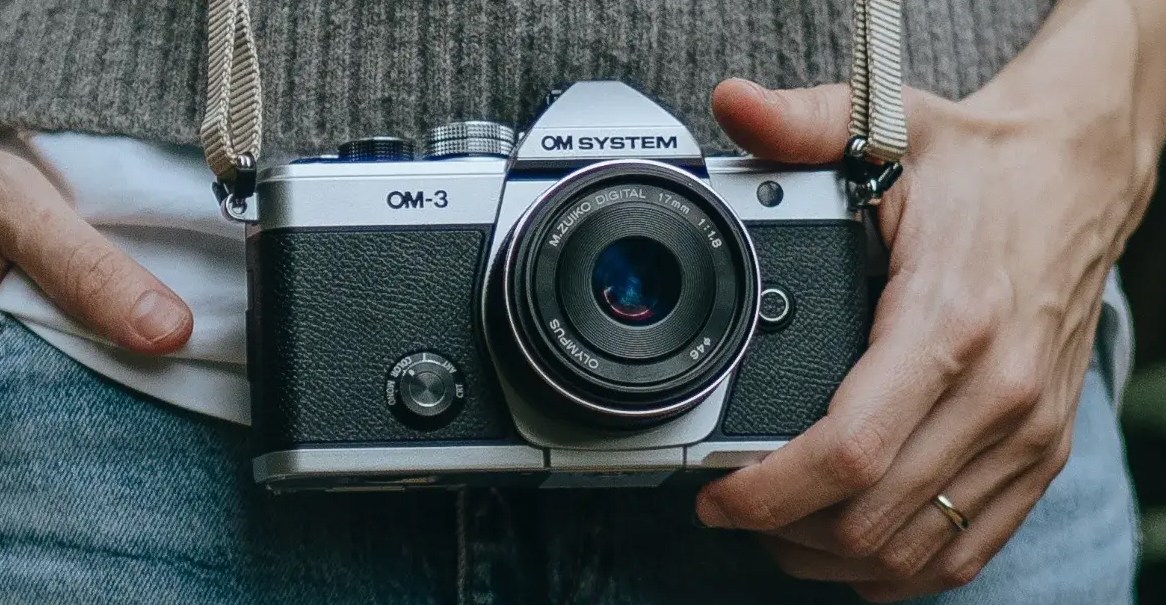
<point>473,138</point>
<point>377,149</point>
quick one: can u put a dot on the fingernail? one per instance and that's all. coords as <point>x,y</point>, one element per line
<point>710,515</point>
<point>755,87</point>
<point>157,316</point>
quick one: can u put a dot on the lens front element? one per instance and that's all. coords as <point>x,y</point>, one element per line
<point>636,280</point>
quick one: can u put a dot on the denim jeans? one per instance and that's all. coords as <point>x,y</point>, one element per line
<point>109,497</point>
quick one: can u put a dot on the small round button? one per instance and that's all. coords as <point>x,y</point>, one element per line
<point>776,308</point>
<point>427,389</point>
<point>426,385</point>
<point>770,194</point>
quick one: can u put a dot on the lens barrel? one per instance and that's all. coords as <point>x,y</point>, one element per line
<point>630,289</point>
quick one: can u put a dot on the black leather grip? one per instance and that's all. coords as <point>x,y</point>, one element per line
<point>334,310</point>
<point>788,376</point>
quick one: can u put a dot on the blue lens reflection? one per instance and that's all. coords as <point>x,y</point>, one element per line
<point>636,281</point>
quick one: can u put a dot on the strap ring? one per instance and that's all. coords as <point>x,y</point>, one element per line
<point>234,193</point>
<point>867,180</point>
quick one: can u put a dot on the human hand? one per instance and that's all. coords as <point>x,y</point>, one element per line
<point>1001,232</point>
<point>81,271</point>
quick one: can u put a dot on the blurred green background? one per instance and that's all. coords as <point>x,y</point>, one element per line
<point>1143,269</point>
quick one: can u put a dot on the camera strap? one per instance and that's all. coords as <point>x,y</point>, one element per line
<point>232,127</point>
<point>878,124</point>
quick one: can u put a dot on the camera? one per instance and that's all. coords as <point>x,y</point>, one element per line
<point>590,303</point>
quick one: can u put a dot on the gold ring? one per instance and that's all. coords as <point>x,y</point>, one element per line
<point>951,512</point>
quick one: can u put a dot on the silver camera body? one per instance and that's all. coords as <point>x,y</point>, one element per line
<point>371,371</point>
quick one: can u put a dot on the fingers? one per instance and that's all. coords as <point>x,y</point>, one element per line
<point>917,354</point>
<point>965,423</point>
<point>904,555</point>
<point>962,560</point>
<point>979,489</point>
<point>807,563</point>
<point>805,125</point>
<point>998,397</point>
<point>928,531</point>
<point>876,407</point>
<point>81,271</point>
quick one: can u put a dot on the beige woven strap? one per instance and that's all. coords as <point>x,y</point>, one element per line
<point>233,124</point>
<point>876,79</point>
<point>232,127</point>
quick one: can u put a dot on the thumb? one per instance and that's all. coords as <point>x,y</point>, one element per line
<point>799,126</point>
<point>82,272</point>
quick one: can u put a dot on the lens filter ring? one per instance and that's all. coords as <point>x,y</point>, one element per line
<point>630,338</point>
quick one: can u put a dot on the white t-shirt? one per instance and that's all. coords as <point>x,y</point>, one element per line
<point>155,202</point>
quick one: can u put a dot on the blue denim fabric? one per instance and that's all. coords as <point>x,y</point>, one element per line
<point>109,497</point>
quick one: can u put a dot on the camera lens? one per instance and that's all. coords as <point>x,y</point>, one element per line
<point>636,280</point>
<point>630,291</point>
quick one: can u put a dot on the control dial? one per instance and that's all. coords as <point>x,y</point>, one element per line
<point>377,149</point>
<point>425,386</point>
<point>473,138</point>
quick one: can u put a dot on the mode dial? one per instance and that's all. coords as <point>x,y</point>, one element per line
<point>473,138</point>
<point>425,386</point>
<point>377,149</point>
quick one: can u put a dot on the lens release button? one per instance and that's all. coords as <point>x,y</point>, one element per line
<point>425,384</point>
<point>770,194</point>
<point>776,308</point>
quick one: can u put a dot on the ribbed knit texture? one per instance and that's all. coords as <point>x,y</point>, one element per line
<point>338,69</point>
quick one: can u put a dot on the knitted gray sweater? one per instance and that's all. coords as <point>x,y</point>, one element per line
<point>337,69</point>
